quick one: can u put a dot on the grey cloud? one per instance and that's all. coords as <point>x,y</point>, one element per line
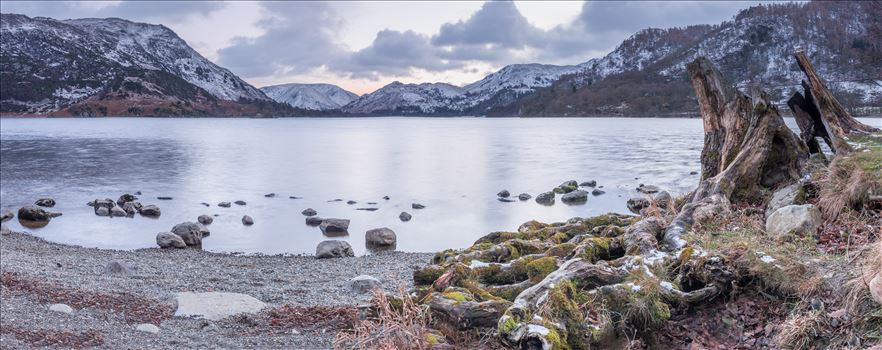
<point>150,11</point>
<point>299,37</point>
<point>497,22</point>
<point>395,53</point>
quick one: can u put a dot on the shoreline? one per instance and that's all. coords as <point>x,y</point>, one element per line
<point>157,274</point>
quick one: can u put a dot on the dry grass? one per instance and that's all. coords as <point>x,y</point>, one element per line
<point>799,331</point>
<point>392,327</point>
<point>851,180</point>
<point>859,302</point>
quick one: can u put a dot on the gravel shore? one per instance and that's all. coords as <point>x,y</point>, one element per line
<point>108,306</point>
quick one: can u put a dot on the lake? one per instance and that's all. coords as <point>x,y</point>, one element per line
<point>454,166</point>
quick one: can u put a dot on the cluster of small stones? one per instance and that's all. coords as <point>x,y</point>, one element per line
<point>572,192</point>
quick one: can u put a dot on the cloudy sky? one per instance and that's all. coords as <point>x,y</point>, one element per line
<point>362,46</point>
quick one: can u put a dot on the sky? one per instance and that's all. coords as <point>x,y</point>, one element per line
<point>363,45</point>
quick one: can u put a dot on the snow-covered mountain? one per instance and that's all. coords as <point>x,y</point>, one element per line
<point>316,97</point>
<point>646,74</point>
<point>501,87</point>
<point>112,67</point>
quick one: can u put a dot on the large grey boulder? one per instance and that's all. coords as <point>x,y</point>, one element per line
<point>380,237</point>
<point>783,197</point>
<point>545,198</point>
<point>216,305</point>
<point>334,226</point>
<point>169,240</point>
<point>333,249</point>
<point>151,210</point>
<point>45,202</point>
<point>794,220</point>
<point>363,284</point>
<point>102,211</point>
<point>118,211</point>
<point>190,232</point>
<point>574,197</point>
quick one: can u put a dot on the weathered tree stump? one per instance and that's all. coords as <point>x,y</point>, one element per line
<point>819,114</point>
<point>747,148</point>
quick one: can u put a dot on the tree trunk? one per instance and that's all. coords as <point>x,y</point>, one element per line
<point>818,113</point>
<point>747,148</point>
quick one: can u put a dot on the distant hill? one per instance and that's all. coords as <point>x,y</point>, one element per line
<point>315,97</point>
<point>114,67</point>
<point>645,75</point>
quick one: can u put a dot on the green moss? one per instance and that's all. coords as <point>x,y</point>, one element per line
<point>458,294</point>
<point>539,268</point>
<point>431,339</point>
<point>427,275</point>
<point>594,248</point>
<point>563,307</point>
<point>561,250</point>
<point>507,325</point>
<point>555,341</point>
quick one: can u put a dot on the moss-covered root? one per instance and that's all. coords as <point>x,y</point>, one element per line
<point>528,323</point>
<point>458,309</point>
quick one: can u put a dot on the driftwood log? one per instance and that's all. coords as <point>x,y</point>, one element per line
<point>819,114</point>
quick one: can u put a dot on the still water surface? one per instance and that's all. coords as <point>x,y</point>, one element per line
<point>454,166</point>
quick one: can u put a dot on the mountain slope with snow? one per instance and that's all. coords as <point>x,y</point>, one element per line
<point>113,67</point>
<point>316,97</point>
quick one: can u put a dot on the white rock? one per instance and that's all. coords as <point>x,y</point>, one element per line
<point>799,220</point>
<point>363,284</point>
<point>216,305</point>
<point>62,308</point>
<point>147,328</point>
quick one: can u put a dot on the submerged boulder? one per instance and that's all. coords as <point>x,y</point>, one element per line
<point>404,216</point>
<point>314,221</point>
<point>545,198</point>
<point>31,216</point>
<point>333,249</point>
<point>151,211</point>
<point>205,219</point>
<point>380,237</point>
<point>648,189</point>
<point>794,220</point>
<point>309,212</point>
<point>169,240</point>
<point>132,207</point>
<point>575,197</point>
<point>45,202</point>
<point>503,194</point>
<point>247,220</point>
<point>224,204</point>
<point>334,226</point>
<point>567,187</point>
<point>417,206</point>
<point>597,192</point>
<point>590,183</point>
<point>524,196</point>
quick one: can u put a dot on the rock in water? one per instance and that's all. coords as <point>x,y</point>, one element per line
<point>224,204</point>
<point>117,211</point>
<point>503,194</point>
<point>102,211</point>
<point>205,219</point>
<point>351,202</point>
<point>34,217</point>
<point>663,199</point>
<point>386,198</point>
<point>269,195</point>
<point>545,198</point>
<point>363,284</point>
<point>240,202</point>
<point>648,189</point>
<point>597,192</point>
<point>797,220</point>
<point>247,220</point>
<point>333,249</point>
<point>190,232</point>
<point>151,211</point>
<point>782,197</point>
<point>118,267</point>
<point>6,215</point>
<point>131,208</point>
<point>169,240</point>
<point>314,221</point>
<point>567,187</point>
<point>45,202</point>
<point>524,196</point>
<point>164,198</point>
<point>309,212</point>
<point>380,237</point>
<point>334,226</point>
<point>147,328</point>
<point>404,216</point>
<point>575,197</point>
<point>205,204</point>
<point>505,200</point>
<point>417,206</point>
<point>125,198</point>
<point>216,305</point>
<point>637,203</point>
<point>590,183</point>
<point>62,308</point>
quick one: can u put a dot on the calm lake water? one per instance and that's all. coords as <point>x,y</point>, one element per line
<point>454,166</point>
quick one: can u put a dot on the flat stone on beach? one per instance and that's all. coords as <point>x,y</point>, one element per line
<point>216,305</point>
<point>62,308</point>
<point>147,328</point>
